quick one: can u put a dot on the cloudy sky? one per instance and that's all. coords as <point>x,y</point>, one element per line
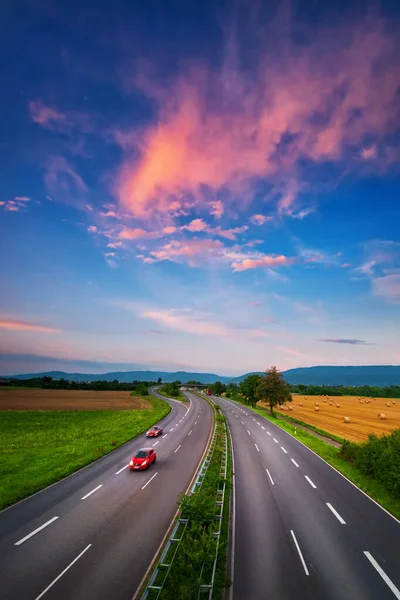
<point>199,185</point>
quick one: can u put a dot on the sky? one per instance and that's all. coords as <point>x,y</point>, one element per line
<point>207,186</point>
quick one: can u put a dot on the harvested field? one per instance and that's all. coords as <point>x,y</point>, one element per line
<point>38,399</point>
<point>363,416</point>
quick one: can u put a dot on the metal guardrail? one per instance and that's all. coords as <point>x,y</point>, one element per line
<point>159,577</point>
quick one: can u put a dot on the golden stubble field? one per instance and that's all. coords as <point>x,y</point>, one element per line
<point>363,415</point>
<point>36,399</point>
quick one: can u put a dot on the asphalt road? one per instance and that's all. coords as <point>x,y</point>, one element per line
<point>301,529</point>
<point>94,534</point>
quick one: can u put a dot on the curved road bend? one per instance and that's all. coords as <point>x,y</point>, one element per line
<point>94,534</point>
<point>301,529</point>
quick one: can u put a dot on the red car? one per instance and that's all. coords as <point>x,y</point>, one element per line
<point>154,431</point>
<point>142,459</point>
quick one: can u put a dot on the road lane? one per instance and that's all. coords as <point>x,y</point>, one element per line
<point>333,548</point>
<point>123,521</point>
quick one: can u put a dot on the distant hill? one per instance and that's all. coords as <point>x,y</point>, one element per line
<point>127,376</point>
<point>382,376</point>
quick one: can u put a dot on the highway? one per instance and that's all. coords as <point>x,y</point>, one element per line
<point>301,530</point>
<point>94,534</point>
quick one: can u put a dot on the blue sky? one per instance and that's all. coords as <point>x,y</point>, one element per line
<point>200,186</point>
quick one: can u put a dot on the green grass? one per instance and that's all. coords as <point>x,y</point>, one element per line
<point>38,448</point>
<point>370,486</point>
<point>180,397</point>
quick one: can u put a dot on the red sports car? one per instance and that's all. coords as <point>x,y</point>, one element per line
<point>154,431</point>
<point>142,459</point>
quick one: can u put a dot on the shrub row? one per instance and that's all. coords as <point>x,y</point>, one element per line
<point>377,457</point>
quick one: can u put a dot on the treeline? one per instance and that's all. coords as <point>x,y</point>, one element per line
<point>141,387</point>
<point>378,457</point>
<point>171,389</point>
<point>243,388</point>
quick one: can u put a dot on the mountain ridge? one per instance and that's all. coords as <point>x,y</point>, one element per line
<point>376,375</point>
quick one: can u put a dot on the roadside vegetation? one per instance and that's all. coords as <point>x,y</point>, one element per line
<point>171,390</point>
<point>41,447</point>
<point>194,557</point>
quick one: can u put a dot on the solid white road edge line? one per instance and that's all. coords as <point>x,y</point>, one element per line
<point>310,482</point>
<point>230,596</point>
<point>92,492</point>
<point>257,448</point>
<point>294,462</point>
<point>34,532</point>
<point>303,562</point>
<point>120,471</point>
<point>282,448</point>
<point>382,573</point>
<point>62,573</point>
<point>151,478</point>
<point>269,475</point>
<point>175,451</point>
<point>339,518</point>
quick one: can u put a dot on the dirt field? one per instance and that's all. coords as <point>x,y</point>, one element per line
<point>363,417</point>
<point>36,399</point>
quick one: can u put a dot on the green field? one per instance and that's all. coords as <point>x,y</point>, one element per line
<point>38,448</point>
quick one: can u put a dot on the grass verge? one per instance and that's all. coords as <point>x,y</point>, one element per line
<point>180,396</point>
<point>193,562</point>
<point>370,486</point>
<point>41,447</point>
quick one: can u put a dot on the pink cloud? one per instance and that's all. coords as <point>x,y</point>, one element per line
<point>190,249</point>
<point>238,138</point>
<point>24,326</point>
<point>256,303</point>
<point>369,153</point>
<point>135,234</point>
<point>346,265</point>
<point>196,225</point>
<point>169,230</point>
<point>93,229</point>
<point>217,209</point>
<point>114,245</point>
<point>187,322</point>
<point>260,219</point>
<point>265,261</point>
<point>388,287</point>
<point>46,115</point>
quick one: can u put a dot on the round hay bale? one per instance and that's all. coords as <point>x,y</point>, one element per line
<point>393,402</point>
<point>324,400</point>
<point>300,404</point>
<point>337,405</point>
<point>382,416</point>
<point>362,402</point>
<point>330,403</point>
<point>316,408</point>
<point>388,404</point>
<point>346,419</point>
<point>317,404</point>
<point>290,407</point>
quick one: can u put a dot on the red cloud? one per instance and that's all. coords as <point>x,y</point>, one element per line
<point>265,261</point>
<point>311,102</point>
<point>23,326</point>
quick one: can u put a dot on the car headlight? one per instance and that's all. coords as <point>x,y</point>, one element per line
<point>131,463</point>
<point>144,462</point>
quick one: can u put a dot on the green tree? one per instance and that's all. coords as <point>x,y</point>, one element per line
<point>273,389</point>
<point>248,388</point>
<point>159,380</point>
<point>218,388</point>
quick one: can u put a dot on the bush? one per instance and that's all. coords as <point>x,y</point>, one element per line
<point>378,457</point>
